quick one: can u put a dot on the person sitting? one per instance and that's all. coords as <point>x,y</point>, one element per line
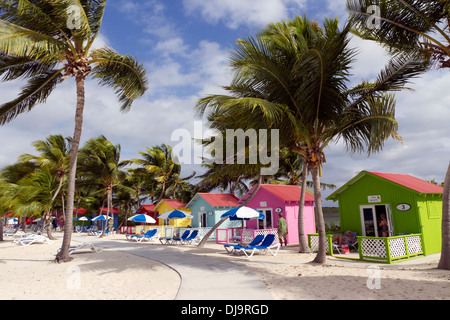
<point>345,238</point>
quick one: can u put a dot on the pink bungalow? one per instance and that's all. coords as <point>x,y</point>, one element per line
<point>272,200</point>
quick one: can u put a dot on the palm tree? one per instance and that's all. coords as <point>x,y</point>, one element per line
<point>54,155</point>
<point>158,162</point>
<point>44,42</point>
<point>412,26</point>
<point>294,76</point>
<point>32,196</point>
<point>99,164</point>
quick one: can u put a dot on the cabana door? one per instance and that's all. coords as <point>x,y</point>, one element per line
<point>202,219</point>
<point>370,217</point>
<point>267,223</point>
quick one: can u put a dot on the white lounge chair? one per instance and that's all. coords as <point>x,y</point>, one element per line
<point>84,246</point>
<point>33,238</point>
<point>13,234</point>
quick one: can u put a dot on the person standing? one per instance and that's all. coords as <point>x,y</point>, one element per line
<point>282,229</point>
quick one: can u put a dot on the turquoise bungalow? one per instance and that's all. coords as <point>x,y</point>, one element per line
<point>207,209</point>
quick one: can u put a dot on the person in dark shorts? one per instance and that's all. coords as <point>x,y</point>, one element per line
<point>282,229</point>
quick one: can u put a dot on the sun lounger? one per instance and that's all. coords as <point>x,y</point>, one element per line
<point>85,246</point>
<point>33,238</point>
<point>15,234</point>
<point>183,237</point>
<point>139,237</point>
<point>191,237</point>
<point>265,246</point>
<point>232,248</point>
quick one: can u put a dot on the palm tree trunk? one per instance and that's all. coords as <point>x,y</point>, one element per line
<point>444,262</point>
<point>108,209</point>
<point>321,256</point>
<point>1,228</point>
<point>303,245</point>
<point>210,232</point>
<point>63,255</point>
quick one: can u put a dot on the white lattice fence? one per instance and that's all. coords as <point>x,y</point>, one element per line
<point>222,236</point>
<point>414,244</point>
<point>397,247</point>
<point>373,247</point>
<point>314,242</point>
<point>390,249</point>
<point>265,232</point>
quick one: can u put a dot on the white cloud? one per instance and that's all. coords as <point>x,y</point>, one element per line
<point>370,59</point>
<point>151,15</point>
<point>236,13</point>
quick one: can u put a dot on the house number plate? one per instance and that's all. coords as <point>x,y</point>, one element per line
<point>403,207</point>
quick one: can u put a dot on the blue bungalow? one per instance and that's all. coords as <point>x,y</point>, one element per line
<point>207,208</point>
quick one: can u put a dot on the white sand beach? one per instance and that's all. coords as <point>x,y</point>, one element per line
<point>28,272</point>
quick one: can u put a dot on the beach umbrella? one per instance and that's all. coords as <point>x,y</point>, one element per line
<point>175,214</point>
<point>83,219</point>
<point>101,218</point>
<point>13,221</point>
<point>243,213</point>
<point>145,218</point>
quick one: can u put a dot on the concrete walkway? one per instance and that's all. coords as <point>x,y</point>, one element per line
<point>202,278</point>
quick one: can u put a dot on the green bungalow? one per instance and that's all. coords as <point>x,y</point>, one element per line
<point>412,208</point>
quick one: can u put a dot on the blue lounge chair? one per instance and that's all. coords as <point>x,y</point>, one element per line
<point>265,246</point>
<point>167,239</point>
<point>139,237</point>
<point>183,237</point>
<point>232,248</point>
<point>191,237</point>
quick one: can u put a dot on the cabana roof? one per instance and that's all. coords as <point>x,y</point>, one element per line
<point>216,199</point>
<point>105,210</point>
<point>173,203</point>
<point>146,208</point>
<point>404,180</point>
<point>284,192</point>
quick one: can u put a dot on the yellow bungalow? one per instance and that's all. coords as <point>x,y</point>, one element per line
<point>166,205</point>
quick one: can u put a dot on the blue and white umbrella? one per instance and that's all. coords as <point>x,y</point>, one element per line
<point>243,213</point>
<point>145,218</point>
<point>175,214</point>
<point>83,219</point>
<point>101,218</point>
<point>12,221</point>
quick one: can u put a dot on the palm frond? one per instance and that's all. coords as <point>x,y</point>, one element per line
<point>368,125</point>
<point>403,24</point>
<point>36,91</point>
<point>122,73</point>
<point>33,15</point>
<point>22,42</point>
<point>12,68</point>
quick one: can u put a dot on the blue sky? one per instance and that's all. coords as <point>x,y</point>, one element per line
<point>184,45</point>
